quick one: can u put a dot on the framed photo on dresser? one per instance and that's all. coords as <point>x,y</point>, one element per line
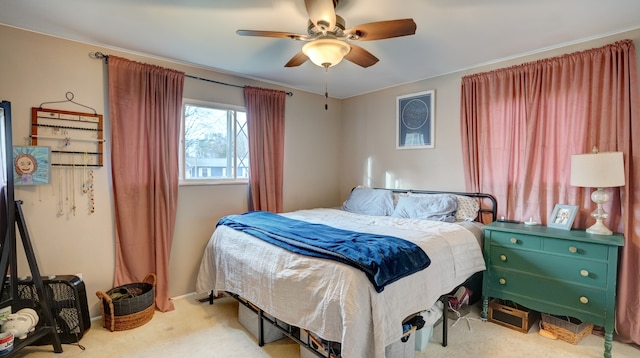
<point>562,216</point>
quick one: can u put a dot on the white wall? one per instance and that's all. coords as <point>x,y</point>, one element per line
<point>369,142</point>
<point>368,134</point>
<point>35,68</point>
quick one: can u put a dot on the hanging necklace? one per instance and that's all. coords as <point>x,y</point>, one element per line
<point>92,208</point>
<point>87,183</point>
<point>85,186</point>
<point>60,201</point>
<point>73,184</point>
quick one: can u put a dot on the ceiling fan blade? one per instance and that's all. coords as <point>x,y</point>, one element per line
<point>322,13</point>
<point>361,57</point>
<point>383,29</point>
<point>277,34</point>
<point>297,60</point>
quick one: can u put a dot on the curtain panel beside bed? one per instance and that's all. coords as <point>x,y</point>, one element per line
<point>520,125</point>
<point>265,121</point>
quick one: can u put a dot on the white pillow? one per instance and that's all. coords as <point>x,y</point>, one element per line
<point>468,208</point>
<point>367,201</point>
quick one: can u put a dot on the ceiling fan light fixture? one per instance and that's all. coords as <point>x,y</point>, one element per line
<point>326,52</point>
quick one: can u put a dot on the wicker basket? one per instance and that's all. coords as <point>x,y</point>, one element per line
<point>132,312</point>
<point>567,329</point>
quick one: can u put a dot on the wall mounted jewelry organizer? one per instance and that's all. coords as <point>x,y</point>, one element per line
<point>76,138</point>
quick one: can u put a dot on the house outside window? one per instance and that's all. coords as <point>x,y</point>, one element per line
<point>214,143</point>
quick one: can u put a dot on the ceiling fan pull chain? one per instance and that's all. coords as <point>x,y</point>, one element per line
<point>326,88</point>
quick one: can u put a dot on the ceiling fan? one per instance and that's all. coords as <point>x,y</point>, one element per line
<point>328,40</point>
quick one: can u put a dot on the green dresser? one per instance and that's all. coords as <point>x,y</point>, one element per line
<point>560,272</point>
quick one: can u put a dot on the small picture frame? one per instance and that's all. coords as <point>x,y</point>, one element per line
<point>31,165</point>
<point>562,216</point>
<point>415,117</point>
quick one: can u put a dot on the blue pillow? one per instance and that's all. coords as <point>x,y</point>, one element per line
<point>431,207</point>
<point>367,201</point>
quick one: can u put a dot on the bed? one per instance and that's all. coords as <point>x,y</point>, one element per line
<point>336,301</point>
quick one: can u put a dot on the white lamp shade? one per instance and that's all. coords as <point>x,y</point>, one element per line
<point>326,52</point>
<point>597,170</point>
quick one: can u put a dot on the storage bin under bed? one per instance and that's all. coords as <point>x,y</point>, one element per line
<point>249,320</point>
<point>398,349</point>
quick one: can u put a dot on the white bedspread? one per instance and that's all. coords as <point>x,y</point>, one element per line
<point>334,300</point>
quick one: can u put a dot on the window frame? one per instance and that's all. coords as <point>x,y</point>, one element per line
<point>182,155</point>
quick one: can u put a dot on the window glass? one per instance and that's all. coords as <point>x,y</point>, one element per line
<point>215,143</point>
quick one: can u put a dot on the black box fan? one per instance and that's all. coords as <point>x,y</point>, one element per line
<point>68,305</point>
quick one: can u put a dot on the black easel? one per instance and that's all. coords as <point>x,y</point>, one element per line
<point>10,216</point>
<point>7,259</point>
<point>49,326</point>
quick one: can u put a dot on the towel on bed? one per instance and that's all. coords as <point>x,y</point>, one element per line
<point>383,259</point>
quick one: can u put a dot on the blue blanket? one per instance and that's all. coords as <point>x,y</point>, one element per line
<point>384,259</point>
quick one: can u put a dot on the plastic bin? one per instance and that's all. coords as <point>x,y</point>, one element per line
<point>249,320</point>
<point>423,336</point>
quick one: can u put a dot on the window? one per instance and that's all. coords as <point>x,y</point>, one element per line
<point>215,143</point>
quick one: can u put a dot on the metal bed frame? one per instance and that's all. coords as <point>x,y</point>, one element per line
<point>312,345</point>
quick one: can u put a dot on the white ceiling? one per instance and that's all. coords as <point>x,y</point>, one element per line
<point>451,34</point>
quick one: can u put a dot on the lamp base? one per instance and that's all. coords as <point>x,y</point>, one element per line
<point>599,229</point>
<point>599,197</point>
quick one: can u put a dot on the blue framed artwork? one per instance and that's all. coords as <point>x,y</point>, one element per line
<point>415,117</point>
<point>31,165</point>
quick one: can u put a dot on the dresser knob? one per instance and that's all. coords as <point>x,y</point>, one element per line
<point>584,273</point>
<point>502,281</point>
<point>584,300</point>
<point>573,249</point>
<point>514,240</point>
<point>503,258</point>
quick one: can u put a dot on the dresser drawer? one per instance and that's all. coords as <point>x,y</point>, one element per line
<point>575,270</point>
<point>515,240</point>
<point>575,297</point>
<point>576,249</point>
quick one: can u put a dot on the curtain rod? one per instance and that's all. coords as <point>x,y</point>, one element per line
<point>101,56</point>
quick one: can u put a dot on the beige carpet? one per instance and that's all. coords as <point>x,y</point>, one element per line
<point>201,330</point>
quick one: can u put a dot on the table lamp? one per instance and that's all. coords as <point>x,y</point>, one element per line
<point>598,170</point>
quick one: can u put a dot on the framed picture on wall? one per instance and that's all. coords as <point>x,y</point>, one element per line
<point>31,165</point>
<point>415,117</point>
<point>562,216</point>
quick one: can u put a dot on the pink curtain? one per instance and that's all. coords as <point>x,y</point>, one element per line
<point>520,126</point>
<point>265,120</point>
<point>145,104</point>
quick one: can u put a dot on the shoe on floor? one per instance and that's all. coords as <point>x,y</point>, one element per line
<point>460,298</point>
